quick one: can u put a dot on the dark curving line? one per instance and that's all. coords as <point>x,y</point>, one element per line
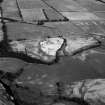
<point>26,58</point>
<point>65,18</point>
<point>87,48</point>
<point>9,19</point>
<point>32,23</point>
<point>20,13</point>
<point>10,76</point>
<point>4,43</point>
<point>101,1</point>
<point>9,92</point>
<point>45,14</point>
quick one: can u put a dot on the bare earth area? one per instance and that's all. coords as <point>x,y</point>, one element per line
<point>52,52</point>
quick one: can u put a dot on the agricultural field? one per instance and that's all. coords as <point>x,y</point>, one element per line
<point>52,52</point>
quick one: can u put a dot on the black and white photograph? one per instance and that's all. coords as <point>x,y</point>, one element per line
<point>52,52</point>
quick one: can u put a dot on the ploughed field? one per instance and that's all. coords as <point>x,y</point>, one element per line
<point>52,52</point>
